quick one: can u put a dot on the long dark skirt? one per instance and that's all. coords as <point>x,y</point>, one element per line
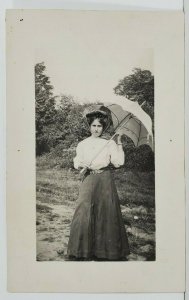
<point>97,228</point>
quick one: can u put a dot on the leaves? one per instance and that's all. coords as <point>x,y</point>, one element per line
<point>56,124</point>
<point>60,124</point>
<point>45,108</point>
<point>139,87</point>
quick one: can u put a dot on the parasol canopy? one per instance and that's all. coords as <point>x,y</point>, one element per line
<point>127,118</point>
<point>130,119</point>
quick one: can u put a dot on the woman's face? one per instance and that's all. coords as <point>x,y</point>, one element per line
<point>96,128</point>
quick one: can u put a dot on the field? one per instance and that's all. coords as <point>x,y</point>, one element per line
<point>57,191</point>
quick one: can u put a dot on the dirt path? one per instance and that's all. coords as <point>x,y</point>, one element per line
<point>53,232</point>
<point>57,191</point>
<point>53,225</point>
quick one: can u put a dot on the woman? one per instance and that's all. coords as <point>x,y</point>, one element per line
<point>97,229</point>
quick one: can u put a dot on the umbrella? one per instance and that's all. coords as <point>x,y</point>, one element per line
<point>127,118</point>
<point>130,119</point>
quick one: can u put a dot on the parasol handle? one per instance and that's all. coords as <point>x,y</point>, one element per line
<point>127,119</point>
<point>143,103</point>
<point>84,169</point>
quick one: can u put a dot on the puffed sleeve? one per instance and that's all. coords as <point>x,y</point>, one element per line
<point>78,159</point>
<point>117,156</point>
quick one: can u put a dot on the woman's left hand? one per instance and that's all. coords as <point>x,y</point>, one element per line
<point>119,135</point>
<point>119,138</point>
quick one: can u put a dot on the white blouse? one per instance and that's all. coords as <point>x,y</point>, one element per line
<point>98,153</point>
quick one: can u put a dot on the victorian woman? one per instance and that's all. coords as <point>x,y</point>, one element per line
<point>97,229</point>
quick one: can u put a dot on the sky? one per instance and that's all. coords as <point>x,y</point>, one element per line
<point>88,63</point>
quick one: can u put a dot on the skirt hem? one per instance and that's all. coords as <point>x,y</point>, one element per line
<point>98,254</point>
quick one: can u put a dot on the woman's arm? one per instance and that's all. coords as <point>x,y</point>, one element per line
<point>117,155</point>
<point>78,160</point>
<point>79,157</point>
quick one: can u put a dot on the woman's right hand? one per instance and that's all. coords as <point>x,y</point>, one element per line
<point>84,165</point>
<point>84,168</point>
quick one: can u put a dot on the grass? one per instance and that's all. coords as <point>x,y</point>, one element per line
<point>57,191</point>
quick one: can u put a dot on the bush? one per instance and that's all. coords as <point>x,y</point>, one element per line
<point>138,158</point>
<point>143,159</point>
<point>59,157</point>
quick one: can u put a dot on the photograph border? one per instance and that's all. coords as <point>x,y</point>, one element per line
<point>17,152</point>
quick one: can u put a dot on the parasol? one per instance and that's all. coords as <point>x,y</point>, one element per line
<point>130,119</point>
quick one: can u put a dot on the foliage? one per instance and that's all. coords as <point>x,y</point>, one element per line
<point>62,156</point>
<point>139,87</point>
<point>60,125</point>
<point>45,108</point>
<point>70,121</point>
<point>55,124</point>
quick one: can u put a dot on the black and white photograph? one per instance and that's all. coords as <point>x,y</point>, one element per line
<point>95,160</point>
<point>95,156</point>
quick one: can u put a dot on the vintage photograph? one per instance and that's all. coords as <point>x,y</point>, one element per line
<point>95,160</point>
<point>95,151</point>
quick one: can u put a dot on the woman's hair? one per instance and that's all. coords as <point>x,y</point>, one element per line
<point>103,120</point>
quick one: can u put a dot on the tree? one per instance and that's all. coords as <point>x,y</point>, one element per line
<point>139,87</point>
<point>45,108</point>
<point>70,121</point>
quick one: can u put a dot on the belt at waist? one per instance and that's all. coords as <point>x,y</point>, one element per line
<point>97,171</point>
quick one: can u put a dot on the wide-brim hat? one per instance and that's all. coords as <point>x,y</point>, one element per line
<point>98,110</point>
